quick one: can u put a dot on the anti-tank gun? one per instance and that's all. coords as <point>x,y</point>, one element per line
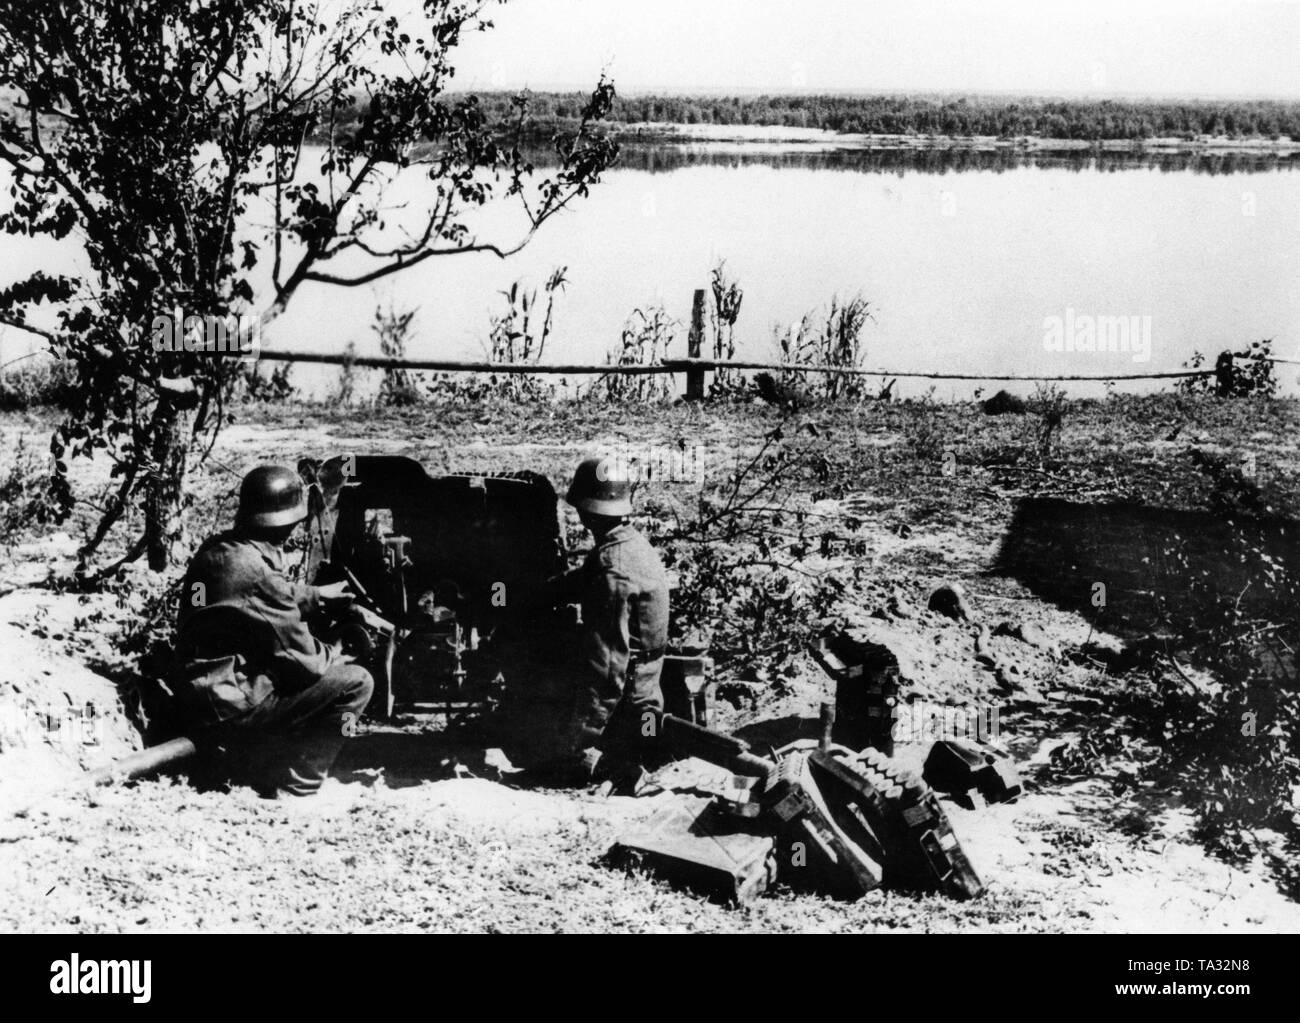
<point>458,563</point>
<point>462,565</point>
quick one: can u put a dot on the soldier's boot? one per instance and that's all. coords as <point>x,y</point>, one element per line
<point>307,763</point>
<point>573,770</point>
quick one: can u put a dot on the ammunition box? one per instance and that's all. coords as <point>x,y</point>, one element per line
<point>824,847</point>
<point>866,676</point>
<point>918,847</point>
<point>956,767</point>
<point>692,842</point>
<point>942,861</point>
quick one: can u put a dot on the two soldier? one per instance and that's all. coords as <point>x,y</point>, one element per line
<point>260,685</point>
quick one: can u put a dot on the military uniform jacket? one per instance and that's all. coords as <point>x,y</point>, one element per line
<point>623,590</point>
<point>242,630</point>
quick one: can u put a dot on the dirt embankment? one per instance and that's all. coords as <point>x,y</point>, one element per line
<point>58,718</point>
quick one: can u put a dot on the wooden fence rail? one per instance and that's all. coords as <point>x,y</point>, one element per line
<point>462,366</point>
<point>693,368</point>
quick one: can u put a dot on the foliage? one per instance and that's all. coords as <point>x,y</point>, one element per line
<point>393,328</point>
<point>347,385</point>
<point>518,335</point>
<point>644,342</point>
<point>1226,735</point>
<point>835,340</point>
<point>1001,116</point>
<point>1048,403</point>
<point>741,562</point>
<point>152,130</point>
<point>923,432</point>
<point>1087,755</point>
<point>274,386</point>
<point>1234,746</point>
<point>760,609</point>
<point>723,313</point>
<point>24,480</point>
<point>1247,371</point>
<point>49,383</point>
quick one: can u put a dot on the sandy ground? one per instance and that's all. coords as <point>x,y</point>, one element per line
<point>472,855</point>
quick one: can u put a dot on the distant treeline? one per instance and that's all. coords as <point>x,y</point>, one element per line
<point>905,115</point>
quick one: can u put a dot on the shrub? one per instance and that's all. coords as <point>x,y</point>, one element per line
<point>24,490</point>
<point>743,577</point>
<point>923,430</point>
<point>47,383</point>
<point>1247,371</point>
<point>759,613</point>
<point>1049,404</point>
<point>271,387</point>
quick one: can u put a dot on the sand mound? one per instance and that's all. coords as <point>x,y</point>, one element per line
<point>57,719</point>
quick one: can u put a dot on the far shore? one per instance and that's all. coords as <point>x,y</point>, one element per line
<point>665,133</point>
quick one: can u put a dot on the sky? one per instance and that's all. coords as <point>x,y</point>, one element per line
<point>1093,47</point>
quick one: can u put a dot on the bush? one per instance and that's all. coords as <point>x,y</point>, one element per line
<point>48,383</point>
<point>24,490</point>
<point>1231,746</point>
<point>923,431</point>
<point>743,577</point>
<point>271,387</point>
<point>758,613</point>
<point>1236,746</point>
<point>1049,404</point>
<point>1247,371</point>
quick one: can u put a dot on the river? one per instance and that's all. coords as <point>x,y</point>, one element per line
<point>968,260</point>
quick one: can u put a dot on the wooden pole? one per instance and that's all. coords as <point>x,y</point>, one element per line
<point>695,375</point>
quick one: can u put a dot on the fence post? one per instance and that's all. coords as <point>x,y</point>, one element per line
<point>695,375</point>
<point>1225,376</point>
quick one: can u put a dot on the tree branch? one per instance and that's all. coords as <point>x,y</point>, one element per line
<point>9,320</point>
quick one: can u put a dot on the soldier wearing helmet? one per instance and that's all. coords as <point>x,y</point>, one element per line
<point>623,590</point>
<point>248,670</point>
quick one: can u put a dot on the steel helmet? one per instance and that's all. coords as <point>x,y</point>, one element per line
<point>601,487</point>
<point>272,496</point>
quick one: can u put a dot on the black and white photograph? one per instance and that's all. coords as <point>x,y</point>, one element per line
<point>626,467</point>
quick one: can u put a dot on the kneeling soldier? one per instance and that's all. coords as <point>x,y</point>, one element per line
<point>248,670</point>
<point>623,590</point>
